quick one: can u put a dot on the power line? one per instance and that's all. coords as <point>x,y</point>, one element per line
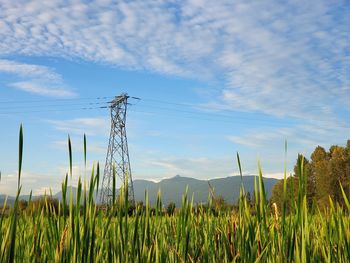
<point>186,104</point>
<point>196,109</point>
<point>203,107</point>
<point>207,107</point>
<point>210,114</point>
<point>50,100</point>
<point>183,116</point>
<point>152,112</point>
<point>235,121</point>
<point>58,105</point>
<point>229,118</point>
<point>48,103</point>
<point>53,110</point>
<point>171,102</point>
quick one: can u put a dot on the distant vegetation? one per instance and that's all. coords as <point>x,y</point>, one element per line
<point>47,230</point>
<point>327,172</point>
<point>173,188</point>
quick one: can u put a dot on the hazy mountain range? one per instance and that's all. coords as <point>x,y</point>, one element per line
<point>173,188</point>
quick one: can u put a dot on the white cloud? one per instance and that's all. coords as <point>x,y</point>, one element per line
<point>303,136</point>
<point>243,140</point>
<point>267,145</point>
<point>30,181</point>
<point>42,89</point>
<point>263,137</point>
<point>27,70</point>
<point>38,79</point>
<point>40,183</point>
<point>79,171</point>
<point>78,146</point>
<point>79,126</point>
<point>286,58</point>
<point>276,175</point>
<point>283,58</point>
<point>193,167</point>
<point>205,168</point>
<point>43,190</point>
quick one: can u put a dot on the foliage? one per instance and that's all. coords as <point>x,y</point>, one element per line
<point>170,210</point>
<point>82,232</point>
<point>326,174</point>
<point>47,204</point>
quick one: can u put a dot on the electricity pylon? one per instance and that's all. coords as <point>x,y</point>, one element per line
<point>117,160</point>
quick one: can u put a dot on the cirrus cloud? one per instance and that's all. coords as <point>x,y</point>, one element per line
<point>37,79</point>
<point>286,58</point>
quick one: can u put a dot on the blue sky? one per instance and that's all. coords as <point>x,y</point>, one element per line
<point>214,78</point>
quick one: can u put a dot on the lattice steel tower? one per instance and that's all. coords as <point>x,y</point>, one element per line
<point>117,153</point>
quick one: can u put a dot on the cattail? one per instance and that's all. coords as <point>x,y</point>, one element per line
<point>230,238</point>
<point>275,208</point>
<point>63,239</point>
<point>217,240</point>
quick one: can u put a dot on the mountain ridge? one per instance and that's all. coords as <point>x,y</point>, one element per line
<point>173,188</point>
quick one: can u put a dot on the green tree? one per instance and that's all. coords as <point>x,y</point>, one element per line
<point>249,199</point>
<point>304,164</point>
<point>291,193</point>
<point>337,164</point>
<point>321,172</point>
<point>325,172</point>
<point>170,210</point>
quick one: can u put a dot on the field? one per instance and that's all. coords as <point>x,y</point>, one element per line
<point>87,233</point>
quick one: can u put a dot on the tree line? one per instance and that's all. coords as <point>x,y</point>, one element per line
<point>325,173</point>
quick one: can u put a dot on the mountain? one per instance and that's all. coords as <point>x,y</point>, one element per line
<point>172,189</point>
<point>10,200</point>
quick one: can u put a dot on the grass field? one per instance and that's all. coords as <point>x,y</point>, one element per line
<point>84,233</point>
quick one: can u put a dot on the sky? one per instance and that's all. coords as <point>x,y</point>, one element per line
<point>214,78</point>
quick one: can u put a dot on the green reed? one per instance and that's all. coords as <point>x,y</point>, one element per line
<point>83,231</point>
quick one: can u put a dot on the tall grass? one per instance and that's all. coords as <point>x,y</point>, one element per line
<point>81,232</point>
